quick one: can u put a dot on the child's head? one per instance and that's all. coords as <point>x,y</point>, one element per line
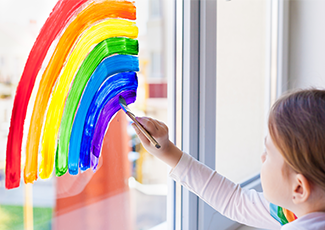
<point>297,130</point>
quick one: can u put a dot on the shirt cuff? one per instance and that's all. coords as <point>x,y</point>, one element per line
<point>181,168</point>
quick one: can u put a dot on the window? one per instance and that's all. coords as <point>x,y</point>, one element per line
<point>212,90</point>
<point>155,8</point>
<point>156,59</point>
<point>129,189</point>
<point>242,87</point>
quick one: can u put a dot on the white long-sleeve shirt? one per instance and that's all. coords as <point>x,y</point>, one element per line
<point>248,207</point>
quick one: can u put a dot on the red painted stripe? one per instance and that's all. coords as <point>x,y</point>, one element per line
<point>60,16</point>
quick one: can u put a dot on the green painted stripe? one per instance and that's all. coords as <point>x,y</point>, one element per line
<point>110,46</point>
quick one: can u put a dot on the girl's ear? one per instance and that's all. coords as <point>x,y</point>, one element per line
<point>301,189</point>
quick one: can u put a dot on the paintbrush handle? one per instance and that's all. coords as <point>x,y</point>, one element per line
<point>144,131</point>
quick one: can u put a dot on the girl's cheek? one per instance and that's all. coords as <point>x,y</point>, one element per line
<point>263,157</point>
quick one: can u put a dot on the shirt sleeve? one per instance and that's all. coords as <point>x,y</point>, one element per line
<point>247,207</point>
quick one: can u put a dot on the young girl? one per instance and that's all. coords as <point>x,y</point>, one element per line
<point>292,174</point>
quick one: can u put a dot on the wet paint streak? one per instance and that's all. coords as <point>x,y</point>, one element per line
<point>96,34</point>
<point>109,66</point>
<point>56,22</point>
<point>113,86</point>
<point>107,47</point>
<point>106,115</point>
<point>93,13</point>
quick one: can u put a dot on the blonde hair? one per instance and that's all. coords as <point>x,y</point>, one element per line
<point>297,128</point>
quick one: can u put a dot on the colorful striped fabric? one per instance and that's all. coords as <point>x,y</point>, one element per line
<point>282,215</point>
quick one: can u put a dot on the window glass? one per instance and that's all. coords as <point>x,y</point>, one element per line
<point>129,188</point>
<point>155,10</point>
<point>242,86</point>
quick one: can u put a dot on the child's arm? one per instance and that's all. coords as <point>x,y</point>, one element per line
<point>244,206</point>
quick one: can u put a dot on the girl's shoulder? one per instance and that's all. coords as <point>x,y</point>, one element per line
<point>311,221</point>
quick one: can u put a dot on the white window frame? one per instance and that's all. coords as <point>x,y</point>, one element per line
<point>192,100</point>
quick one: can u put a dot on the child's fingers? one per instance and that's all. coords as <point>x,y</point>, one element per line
<point>141,136</point>
<point>149,124</point>
<point>163,125</point>
<point>157,129</point>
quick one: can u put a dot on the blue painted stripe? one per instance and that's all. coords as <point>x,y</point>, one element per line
<point>108,67</point>
<point>112,87</point>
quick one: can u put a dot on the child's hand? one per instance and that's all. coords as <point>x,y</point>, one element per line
<point>168,152</point>
<point>158,130</point>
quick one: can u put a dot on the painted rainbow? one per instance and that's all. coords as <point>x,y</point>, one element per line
<point>94,61</point>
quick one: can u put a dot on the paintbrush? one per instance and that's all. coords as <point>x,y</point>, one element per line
<point>132,116</point>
